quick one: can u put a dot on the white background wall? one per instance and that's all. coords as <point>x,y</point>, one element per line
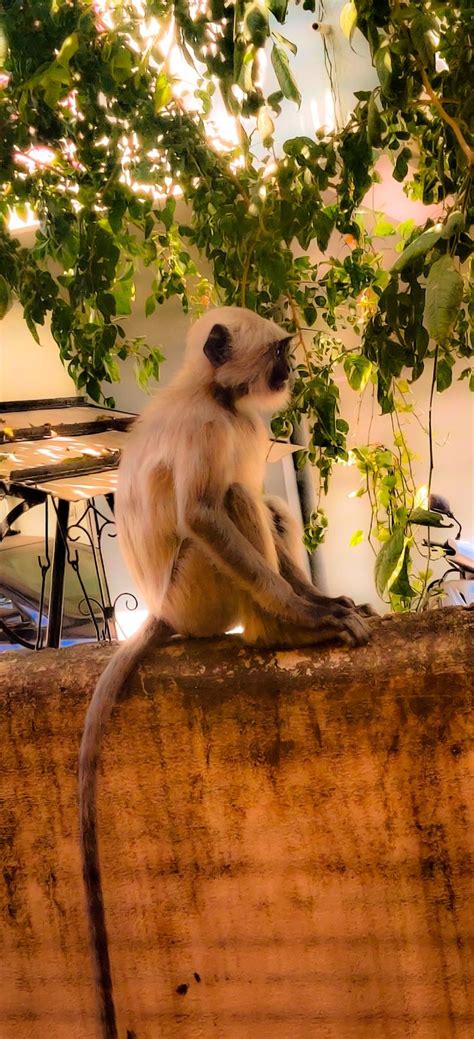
<point>29,370</point>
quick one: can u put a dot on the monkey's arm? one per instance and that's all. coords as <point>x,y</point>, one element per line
<point>293,573</point>
<point>202,464</point>
<point>233,553</point>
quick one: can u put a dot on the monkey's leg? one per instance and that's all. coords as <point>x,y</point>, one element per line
<point>286,534</point>
<point>261,626</point>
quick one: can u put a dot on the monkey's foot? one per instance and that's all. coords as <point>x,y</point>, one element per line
<point>332,620</point>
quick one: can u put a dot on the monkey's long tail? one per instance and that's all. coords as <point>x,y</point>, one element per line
<point>108,691</point>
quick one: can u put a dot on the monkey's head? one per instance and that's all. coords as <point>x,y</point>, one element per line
<point>242,356</point>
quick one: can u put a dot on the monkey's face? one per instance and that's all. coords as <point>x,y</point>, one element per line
<point>248,357</point>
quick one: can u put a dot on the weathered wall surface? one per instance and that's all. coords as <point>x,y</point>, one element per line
<point>287,841</point>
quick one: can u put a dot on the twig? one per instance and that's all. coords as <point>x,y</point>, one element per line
<point>299,331</point>
<point>463,144</point>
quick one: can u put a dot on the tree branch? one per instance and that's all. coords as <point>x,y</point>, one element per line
<point>463,144</point>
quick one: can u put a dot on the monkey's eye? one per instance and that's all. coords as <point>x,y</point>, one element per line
<point>281,349</point>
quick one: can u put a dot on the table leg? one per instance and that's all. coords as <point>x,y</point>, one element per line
<point>56,597</point>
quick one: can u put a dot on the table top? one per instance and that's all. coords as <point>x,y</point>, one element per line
<point>70,449</point>
<point>67,448</point>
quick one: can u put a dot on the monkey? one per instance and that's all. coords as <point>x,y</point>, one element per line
<point>207,550</point>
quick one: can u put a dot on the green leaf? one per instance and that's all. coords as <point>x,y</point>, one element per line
<point>383,65</point>
<point>265,126</point>
<point>162,94</point>
<point>279,9</point>
<point>425,36</point>
<point>358,370</point>
<point>427,518</point>
<point>382,228</point>
<point>400,170</point>
<point>67,50</point>
<point>285,43</point>
<point>5,296</point>
<point>401,585</point>
<point>323,227</point>
<point>284,75</point>
<point>421,245</point>
<point>150,306</point>
<point>348,20</point>
<point>256,23</point>
<point>167,213</point>
<point>455,223</point>
<point>124,292</point>
<point>388,559</point>
<point>443,298</point>
<point>121,64</point>
<point>444,375</point>
<point>375,123</point>
<point>406,228</point>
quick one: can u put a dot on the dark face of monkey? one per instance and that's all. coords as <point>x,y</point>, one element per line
<point>252,363</point>
<point>280,370</point>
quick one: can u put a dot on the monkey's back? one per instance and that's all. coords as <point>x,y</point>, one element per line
<point>146,508</point>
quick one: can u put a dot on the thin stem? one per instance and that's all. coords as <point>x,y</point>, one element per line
<point>430,416</point>
<point>453,123</point>
<point>405,445</point>
<point>422,598</point>
<point>299,332</point>
<point>373,509</point>
<point>245,274</point>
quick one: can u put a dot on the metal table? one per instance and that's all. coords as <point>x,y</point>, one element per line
<point>62,451</point>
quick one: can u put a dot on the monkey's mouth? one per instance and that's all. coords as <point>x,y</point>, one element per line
<point>277,384</point>
<point>278,378</point>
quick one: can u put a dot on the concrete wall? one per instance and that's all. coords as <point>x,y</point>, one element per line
<point>285,839</point>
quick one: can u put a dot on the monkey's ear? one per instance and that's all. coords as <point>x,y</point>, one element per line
<point>218,345</point>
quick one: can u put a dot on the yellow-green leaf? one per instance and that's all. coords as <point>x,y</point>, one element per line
<point>162,94</point>
<point>348,19</point>
<point>265,126</point>
<point>383,228</point>
<point>68,49</point>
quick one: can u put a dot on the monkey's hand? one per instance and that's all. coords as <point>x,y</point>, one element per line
<point>346,623</point>
<point>309,592</point>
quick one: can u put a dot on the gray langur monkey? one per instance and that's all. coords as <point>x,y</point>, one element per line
<point>207,550</point>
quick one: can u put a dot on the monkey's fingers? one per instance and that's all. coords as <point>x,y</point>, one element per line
<point>365,609</point>
<point>357,625</point>
<point>323,613</point>
<point>328,628</point>
<point>351,622</point>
